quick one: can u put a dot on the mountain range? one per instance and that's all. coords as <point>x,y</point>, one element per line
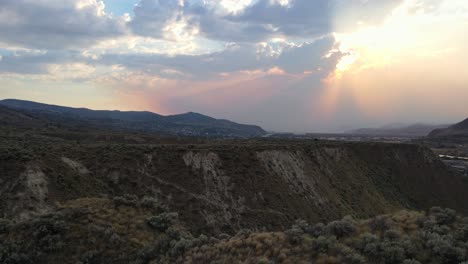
<point>22,112</point>
<point>459,129</point>
<point>85,186</point>
<point>413,130</point>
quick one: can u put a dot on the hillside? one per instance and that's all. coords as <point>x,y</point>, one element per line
<point>128,230</point>
<point>107,197</point>
<point>16,119</point>
<point>415,130</point>
<point>189,124</point>
<point>457,130</point>
<point>223,186</point>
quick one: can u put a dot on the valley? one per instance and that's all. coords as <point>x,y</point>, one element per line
<point>167,198</point>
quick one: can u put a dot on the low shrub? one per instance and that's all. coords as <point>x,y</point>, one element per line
<point>162,221</point>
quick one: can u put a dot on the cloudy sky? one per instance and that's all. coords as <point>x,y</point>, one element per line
<point>287,65</point>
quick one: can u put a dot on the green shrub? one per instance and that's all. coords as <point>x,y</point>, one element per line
<point>392,235</point>
<point>318,230</point>
<point>322,244</point>
<point>392,253</point>
<point>162,221</point>
<point>443,216</point>
<point>294,235</point>
<point>152,203</point>
<point>380,223</point>
<point>341,228</point>
<point>302,225</point>
<point>125,201</point>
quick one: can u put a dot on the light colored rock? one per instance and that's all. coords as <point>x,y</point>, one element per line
<point>33,200</point>
<point>217,185</point>
<point>291,167</point>
<point>75,165</point>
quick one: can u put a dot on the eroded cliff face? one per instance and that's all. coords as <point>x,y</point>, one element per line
<point>31,195</point>
<point>223,188</point>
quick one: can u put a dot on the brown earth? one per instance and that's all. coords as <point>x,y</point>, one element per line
<point>229,185</point>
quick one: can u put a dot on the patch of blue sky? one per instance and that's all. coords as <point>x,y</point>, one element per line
<point>120,7</point>
<point>5,52</point>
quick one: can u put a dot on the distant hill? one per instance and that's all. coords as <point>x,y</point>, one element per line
<point>415,130</point>
<point>188,124</point>
<point>69,197</point>
<point>460,129</point>
<point>10,117</point>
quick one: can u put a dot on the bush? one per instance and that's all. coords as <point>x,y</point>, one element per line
<point>443,216</point>
<point>318,230</point>
<point>4,225</point>
<point>443,248</point>
<point>322,244</point>
<point>162,221</point>
<point>392,253</point>
<point>10,254</point>
<point>392,235</point>
<point>180,247</point>
<point>462,233</point>
<point>294,235</point>
<point>127,200</point>
<point>152,203</point>
<point>302,225</point>
<point>244,232</point>
<point>380,224</point>
<point>157,249</point>
<point>90,257</point>
<point>366,239</point>
<point>223,236</point>
<point>341,228</point>
<point>348,255</point>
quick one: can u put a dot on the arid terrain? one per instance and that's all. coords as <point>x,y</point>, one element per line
<point>91,195</point>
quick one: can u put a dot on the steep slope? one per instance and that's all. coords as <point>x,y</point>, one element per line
<point>190,124</point>
<point>460,129</point>
<point>226,187</point>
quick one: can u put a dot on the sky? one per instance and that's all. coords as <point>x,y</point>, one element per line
<point>286,65</point>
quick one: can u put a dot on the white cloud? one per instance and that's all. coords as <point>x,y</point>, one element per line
<point>52,24</point>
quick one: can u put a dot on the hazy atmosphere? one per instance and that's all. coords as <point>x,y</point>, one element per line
<point>297,65</point>
<point>233,131</point>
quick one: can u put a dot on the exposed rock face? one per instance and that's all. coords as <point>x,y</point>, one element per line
<point>75,165</point>
<point>208,165</point>
<point>291,167</point>
<point>32,199</point>
<point>217,187</point>
<point>223,188</point>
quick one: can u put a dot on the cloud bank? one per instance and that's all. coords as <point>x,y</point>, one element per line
<point>289,65</point>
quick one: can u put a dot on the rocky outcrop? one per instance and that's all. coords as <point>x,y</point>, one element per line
<point>31,194</point>
<point>227,187</point>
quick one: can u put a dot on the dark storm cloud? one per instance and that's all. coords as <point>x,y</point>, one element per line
<point>260,21</point>
<point>61,29</point>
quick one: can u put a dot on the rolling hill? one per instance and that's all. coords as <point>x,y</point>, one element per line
<point>98,196</point>
<point>415,130</point>
<point>459,129</point>
<point>188,124</point>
